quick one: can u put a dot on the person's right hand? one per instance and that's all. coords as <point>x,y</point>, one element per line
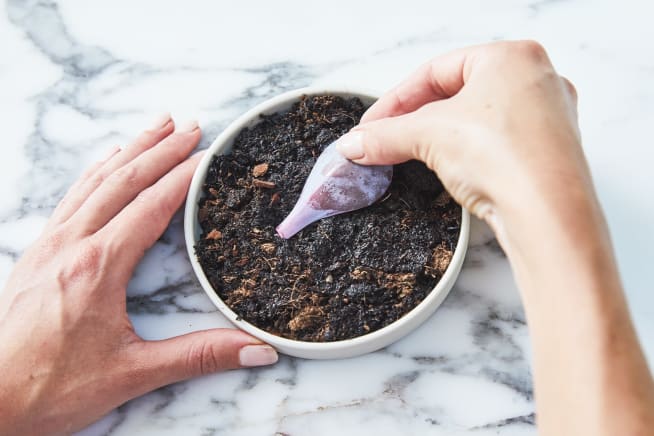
<point>499,127</point>
<point>495,122</point>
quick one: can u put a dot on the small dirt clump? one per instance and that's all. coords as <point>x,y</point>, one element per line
<point>341,277</point>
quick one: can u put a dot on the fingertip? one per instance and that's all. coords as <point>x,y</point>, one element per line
<point>197,155</point>
<point>192,161</point>
<point>257,355</point>
<point>250,350</point>
<point>112,152</point>
<point>370,114</point>
<point>386,141</point>
<point>160,121</point>
<point>351,145</point>
<point>190,126</point>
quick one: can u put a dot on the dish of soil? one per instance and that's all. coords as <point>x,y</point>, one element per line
<point>341,277</point>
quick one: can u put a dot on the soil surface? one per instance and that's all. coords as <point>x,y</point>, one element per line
<point>341,277</point>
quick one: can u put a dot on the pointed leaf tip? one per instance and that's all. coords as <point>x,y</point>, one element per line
<point>335,185</point>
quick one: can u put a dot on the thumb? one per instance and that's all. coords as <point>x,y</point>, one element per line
<point>387,141</point>
<point>204,352</point>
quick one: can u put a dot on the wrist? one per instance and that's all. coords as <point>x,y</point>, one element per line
<point>563,263</point>
<point>555,233</point>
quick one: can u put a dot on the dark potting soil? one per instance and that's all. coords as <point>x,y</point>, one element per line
<point>341,277</point>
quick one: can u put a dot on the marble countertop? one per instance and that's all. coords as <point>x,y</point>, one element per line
<point>77,77</point>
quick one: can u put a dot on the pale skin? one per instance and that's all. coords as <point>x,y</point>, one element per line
<point>495,122</point>
<point>499,127</point>
<point>70,353</point>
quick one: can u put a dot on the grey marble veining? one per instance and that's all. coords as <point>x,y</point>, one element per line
<point>80,77</point>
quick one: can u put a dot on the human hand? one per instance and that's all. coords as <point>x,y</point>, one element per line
<point>495,122</point>
<point>70,353</point>
<point>499,127</point>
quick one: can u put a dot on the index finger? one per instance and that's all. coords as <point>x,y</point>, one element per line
<point>438,79</point>
<point>138,226</point>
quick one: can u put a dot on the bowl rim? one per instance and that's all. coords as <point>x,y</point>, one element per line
<point>223,141</point>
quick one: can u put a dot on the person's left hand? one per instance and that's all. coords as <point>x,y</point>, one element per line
<point>69,351</point>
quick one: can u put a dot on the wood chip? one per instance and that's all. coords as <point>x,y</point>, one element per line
<point>275,198</point>
<point>203,214</point>
<point>263,184</point>
<point>249,283</point>
<point>308,317</point>
<point>260,170</point>
<point>268,247</point>
<point>214,234</point>
<point>360,274</point>
<point>440,260</point>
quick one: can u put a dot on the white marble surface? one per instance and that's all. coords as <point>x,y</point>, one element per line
<point>77,77</point>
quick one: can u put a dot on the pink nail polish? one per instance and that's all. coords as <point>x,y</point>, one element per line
<point>160,121</point>
<point>257,355</point>
<point>187,126</point>
<point>350,145</point>
<point>114,150</point>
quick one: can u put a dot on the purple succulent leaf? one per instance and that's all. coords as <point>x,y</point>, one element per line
<point>335,185</point>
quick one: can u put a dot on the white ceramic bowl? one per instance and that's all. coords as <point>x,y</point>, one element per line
<point>310,350</point>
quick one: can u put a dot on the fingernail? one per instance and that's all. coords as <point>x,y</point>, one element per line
<point>187,126</point>
<point>160,120</point>
<point>198,154</point>
<point>114,150</point>
<point>350,145</point>
<point>257,355</point>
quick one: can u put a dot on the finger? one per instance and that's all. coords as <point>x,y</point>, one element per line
<point>69,201</point>
<point>199,353</point>
<point>138,226</point>
<point>72,199</point>
<point>121,187</point>
<point>438,79</point>
<point>80,191</point>
<point>390,140</point>
<point>570,88</point>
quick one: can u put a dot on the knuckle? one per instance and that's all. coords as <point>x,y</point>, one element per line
<point>399,103</point>
<point>93,169</point>
<point>125,176</point>
<point>436,87</point>
<point>530,49</point>
<point>88,173</point>
<point>367,137</point>
<point>155,204</point>
<point>203,359</point>
<point>149,136</point>
<point>87,262</point>
<point>423,120</point>
<point>96,179</point>
<point>91,256</point>
<point>570,87</point>
<point>373,149</point>
<point>55,240</point>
